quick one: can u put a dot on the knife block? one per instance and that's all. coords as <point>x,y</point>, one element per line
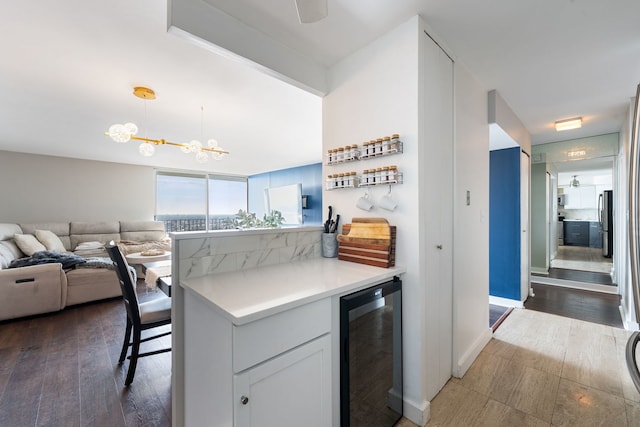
<point>379,252</point>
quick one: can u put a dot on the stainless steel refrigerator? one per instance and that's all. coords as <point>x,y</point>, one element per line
<point>605,212</point>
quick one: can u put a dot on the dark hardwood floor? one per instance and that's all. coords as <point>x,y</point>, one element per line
<point>595,307</point>
<point>579,276</point>
<point>61,369</point>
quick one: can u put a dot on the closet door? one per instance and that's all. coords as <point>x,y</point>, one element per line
<point>436,183</point>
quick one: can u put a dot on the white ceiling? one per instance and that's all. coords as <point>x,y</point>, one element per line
<point>68,67</point>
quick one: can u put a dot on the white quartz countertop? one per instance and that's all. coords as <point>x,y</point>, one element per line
<point>248,295</point>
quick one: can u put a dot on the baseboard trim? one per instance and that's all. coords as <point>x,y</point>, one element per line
<point>627,320</point>
<point>505,302</point>
<point>464,363</point>
<point>537,270</point>
<point>417,413</point>
<point>606,289</point>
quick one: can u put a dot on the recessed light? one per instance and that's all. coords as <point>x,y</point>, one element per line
<point>568,124</point>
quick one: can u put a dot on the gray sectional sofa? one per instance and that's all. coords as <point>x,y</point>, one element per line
<point>46,288</point>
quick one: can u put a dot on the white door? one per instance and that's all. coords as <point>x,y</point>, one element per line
<point>525,259</point>
<point>290,390</point>
<point>437,181</point>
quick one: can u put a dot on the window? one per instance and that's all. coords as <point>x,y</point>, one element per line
<point>182,200</point>
<point>227,195</point>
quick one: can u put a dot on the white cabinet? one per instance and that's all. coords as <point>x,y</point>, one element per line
<point>274,371</point>
<point>580,197</point>
<point>289,390</point>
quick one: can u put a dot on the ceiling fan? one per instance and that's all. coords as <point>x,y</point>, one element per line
<point>310,11</point>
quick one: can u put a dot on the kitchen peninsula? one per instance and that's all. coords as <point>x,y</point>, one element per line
<point>256,327</point>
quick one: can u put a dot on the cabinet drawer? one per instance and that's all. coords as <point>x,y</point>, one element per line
<point>263,339</point>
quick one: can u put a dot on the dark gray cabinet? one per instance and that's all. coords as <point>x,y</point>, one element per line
<point>582,233</point>
<point>595,235</point>
<point>576,233</point>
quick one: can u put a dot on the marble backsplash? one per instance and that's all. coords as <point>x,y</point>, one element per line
<point>238,250</point>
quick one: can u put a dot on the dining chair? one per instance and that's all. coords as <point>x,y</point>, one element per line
<point>140,316</point>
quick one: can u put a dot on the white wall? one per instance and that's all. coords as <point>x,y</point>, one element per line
<point>471,225</point>
<point>39,188</point>
<point>373,93</point>
<point>501,114</point>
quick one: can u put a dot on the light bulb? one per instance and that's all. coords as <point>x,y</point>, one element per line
<point>146,149</point>
<point>212,143</point>
<point>131,128</point>
<point>119,133</point>
<point>202,157</point>
<point>217,156</point>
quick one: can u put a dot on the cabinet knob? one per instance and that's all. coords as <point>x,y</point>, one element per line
<point>244,400</point>
<point>439,246</point>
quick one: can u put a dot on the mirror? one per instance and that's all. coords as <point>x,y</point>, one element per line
<point>287,200</point>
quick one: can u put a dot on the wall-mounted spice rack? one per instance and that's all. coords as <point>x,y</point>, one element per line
<point>387,175</point>
<point>375,148</point>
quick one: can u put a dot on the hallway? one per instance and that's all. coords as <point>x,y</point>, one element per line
<point>541,370</point>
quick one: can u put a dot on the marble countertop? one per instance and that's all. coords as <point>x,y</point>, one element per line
<point>580,220</point>
<point>247,295</point>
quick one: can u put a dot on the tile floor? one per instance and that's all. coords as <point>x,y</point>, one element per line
<point>543,370</point>
<point>582,258</point>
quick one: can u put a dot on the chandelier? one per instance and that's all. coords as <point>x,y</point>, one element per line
<point>122,133</point>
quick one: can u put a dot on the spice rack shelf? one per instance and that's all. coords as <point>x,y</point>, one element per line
<point>373,149</point>
<point>397,180</point>
<point>362,180</point>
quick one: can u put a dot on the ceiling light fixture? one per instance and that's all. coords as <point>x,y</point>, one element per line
<point>122,133</point>
<point>569,124</point>
<point>574,182</point>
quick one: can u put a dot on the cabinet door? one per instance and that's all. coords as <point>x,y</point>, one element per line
<point>588,199</point>
<point>572,198</point>
<point>293,389</point>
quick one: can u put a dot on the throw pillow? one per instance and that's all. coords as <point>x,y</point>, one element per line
<point>28,243</point>
<point>5,257</point>
<point>50,240</point>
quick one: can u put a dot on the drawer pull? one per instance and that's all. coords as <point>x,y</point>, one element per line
<point>30,279</point>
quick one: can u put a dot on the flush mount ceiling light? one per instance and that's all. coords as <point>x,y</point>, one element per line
<point>569,124</point>
<point>122,133</point>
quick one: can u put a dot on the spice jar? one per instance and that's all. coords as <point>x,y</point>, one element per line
<point>393,173</point>
<point>372,148</point>
<point>378,149</point>
<point>394,144</point>
<point>386,141</point>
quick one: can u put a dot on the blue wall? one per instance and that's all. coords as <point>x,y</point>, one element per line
<point>504,223</point>
<point>309,176</point>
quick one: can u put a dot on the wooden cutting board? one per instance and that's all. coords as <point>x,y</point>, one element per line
<point>368,241</point>
<point>367,230</point>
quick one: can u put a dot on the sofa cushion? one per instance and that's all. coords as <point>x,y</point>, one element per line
<point>142,231</point>
<point>60,229</point>
<point>13,248</point>
<point>8,230</point>
<point>5,257</point>
<point>94,232</point>
<point>28,243</point>
<point>50,240</point>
